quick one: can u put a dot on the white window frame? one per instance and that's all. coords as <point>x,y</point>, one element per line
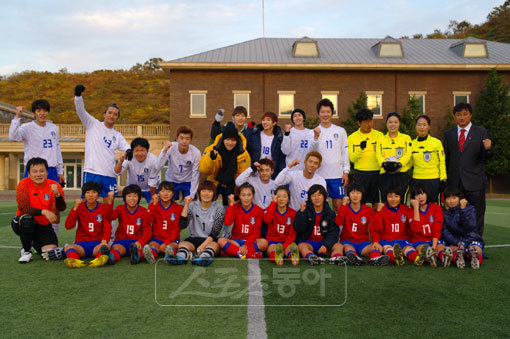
<point>330,93</point>
<point>464,94</point>
<point>380,95</point>
<point>280,93</point>
<point>419,94</point>
<point>235,102</point>
<point>201,93</point>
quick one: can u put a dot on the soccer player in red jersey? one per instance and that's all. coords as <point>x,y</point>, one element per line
<point>247,217</point>
<point>38,199</point>
<point>133,230</point>
<point>163,215</point>
<point>390,230</point>
<point>355,218</point>
<point>280,234</point>
<point>316,230</point>
<point>426,224</point>
<point>94,228</point>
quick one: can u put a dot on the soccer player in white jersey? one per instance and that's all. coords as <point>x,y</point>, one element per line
<point>142,167</point>
<point>101,141</point>
<point>300,181</point>
<point>183,159</point>
<point>40,140</point>
<point>332,144</point>
<point>261,180</point>
<point>297,140</point>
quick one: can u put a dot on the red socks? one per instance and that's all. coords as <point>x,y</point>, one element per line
<point>336,255</point>
<point>271,256</point>
<point>72,254</point>
<point>116,255</point>
<point>232,249</point>
<point>392,257</point>
<point>412,255</point>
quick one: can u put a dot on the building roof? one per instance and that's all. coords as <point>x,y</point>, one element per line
<point>277,53</point>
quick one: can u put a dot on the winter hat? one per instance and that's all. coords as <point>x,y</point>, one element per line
<point>230,131</point>
<point>297,110</point>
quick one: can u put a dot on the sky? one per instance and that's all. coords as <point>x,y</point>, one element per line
<point>88,35</point>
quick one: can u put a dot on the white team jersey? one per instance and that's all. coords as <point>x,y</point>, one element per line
<point>100,143</point>
<point>39,142</point>
<point>265,146</point>
<point>333,147</point>
<point>263,192</point>
<point>145,174</point>
<point>296,145</point>
<point>298,185</point>
<point>182,167</point>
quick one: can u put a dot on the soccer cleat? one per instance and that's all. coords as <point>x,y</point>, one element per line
<point>147,254</point>
<point>422,255</point>
<point>341,260</point>
<point>202,261</point>
<point>278,255</point>
<point>399,255</point>
<point>294,254</point>
<point>381,260</point>
<point>475,263</point>
<point>241,256</point>
<point>447,257</point>
<point>315,260</point>
<point>74,263</point>
<point>170,258</point>
<point>355,260</point>
<point>461,263</point>
<point>25,257</point>
<point>106,251</point>
<point>99,261</point>
<point>133,253</point>
<point>431,256</point>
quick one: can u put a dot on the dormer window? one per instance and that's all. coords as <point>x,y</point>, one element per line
<point>388,48</point>
<point>470,48</point>
<point>305,48</point>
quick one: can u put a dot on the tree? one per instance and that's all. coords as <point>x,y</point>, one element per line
<point>350,124</point>
<point>493,112</point>
<point>408,118</point>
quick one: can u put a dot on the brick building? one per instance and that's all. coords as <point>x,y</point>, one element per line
<point>280,74</point>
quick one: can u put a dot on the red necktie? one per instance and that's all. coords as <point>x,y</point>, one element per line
<point>462,139</point>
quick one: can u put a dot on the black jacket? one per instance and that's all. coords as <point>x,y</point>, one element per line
<point>254,145</point>
<point>304,222</point>
<point>466,167</point>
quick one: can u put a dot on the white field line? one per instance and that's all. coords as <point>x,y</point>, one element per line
<point>256,315</point>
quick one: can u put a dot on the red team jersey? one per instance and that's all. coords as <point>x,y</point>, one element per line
<point>390,224</point>
<point>165,222</point>
<point>29,194</point>
<point>279,226</point>
<point>429,226</point>
<point>132,225</point>
<point>316,233</point>
<point>247,224</point>
<point>93,225</point>
<point>355,223</point>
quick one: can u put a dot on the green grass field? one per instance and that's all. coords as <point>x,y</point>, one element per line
<point>46,298</point>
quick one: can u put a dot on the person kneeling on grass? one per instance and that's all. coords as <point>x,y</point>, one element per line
<point>247,220</point>
<point>426,223</point>
<point>94,228</point>
<point>133,230</point>
<point>163,215</point>
<point>205,221</point>
<point>279,218</point>
<point>459,230</point>
<point>355,219</point>
<point>390,230</point>
<point>315,226</point>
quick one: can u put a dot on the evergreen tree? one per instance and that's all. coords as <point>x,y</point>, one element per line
<point>493,112</point>
<point>350,124</point>
<point>408,118</point>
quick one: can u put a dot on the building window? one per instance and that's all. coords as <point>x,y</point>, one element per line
<point>242,98</point>
<point>285,103</point>
<point>459,97</point>
<point>333,97</point>
<point>374,102</point>
<point>197,104</point>
<point>391,50</point>
<point>420,97</point>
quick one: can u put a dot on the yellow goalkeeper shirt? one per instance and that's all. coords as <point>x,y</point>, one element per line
<point>364,160</point>
<point>400,147</point>
<point>428,159</point>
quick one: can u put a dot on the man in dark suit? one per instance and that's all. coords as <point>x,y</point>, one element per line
<point>466,146</point>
